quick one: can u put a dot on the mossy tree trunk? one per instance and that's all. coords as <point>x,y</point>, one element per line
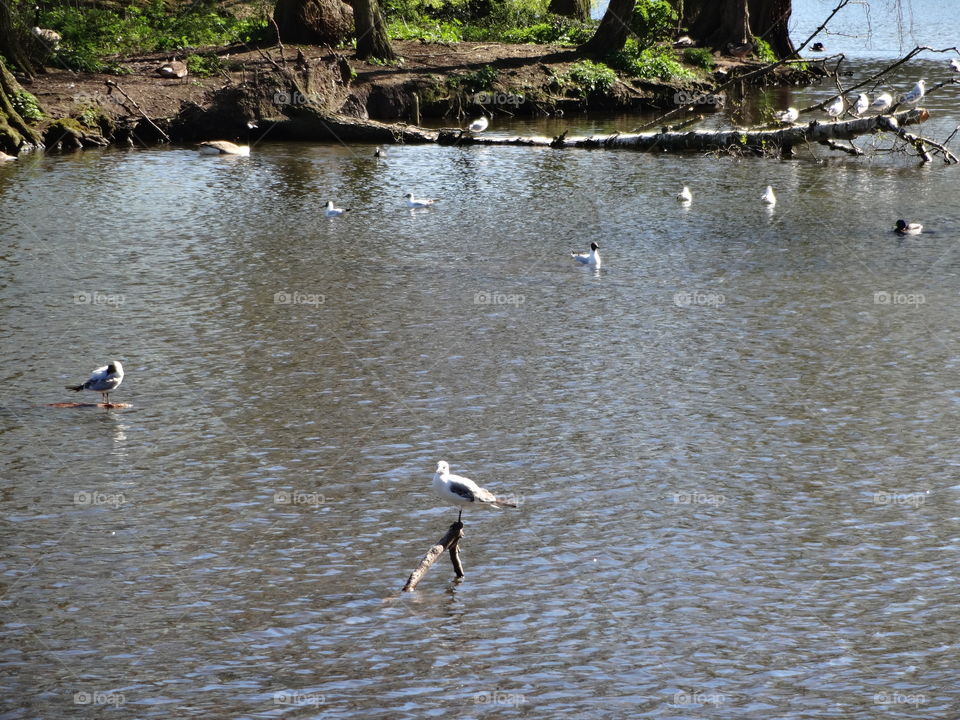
<point>372,40</point>
<point>14,130</point>
<point>614,28</point>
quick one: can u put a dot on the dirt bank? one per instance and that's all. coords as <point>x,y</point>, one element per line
<point>273,84</point>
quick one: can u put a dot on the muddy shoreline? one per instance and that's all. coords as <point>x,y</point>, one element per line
<point>292,89</point>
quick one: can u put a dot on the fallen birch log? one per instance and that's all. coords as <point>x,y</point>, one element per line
<point>450,542</point>
<point>765,141</point>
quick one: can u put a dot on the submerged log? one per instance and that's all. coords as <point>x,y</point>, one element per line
<point>450,542</point>
<point>764,141</point>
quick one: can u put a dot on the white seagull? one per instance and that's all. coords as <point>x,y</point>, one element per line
<point>413,202</point>
<point>835,109</point>
<point>332,211</point>
<point>955,64</point>
<point>103,380</point>
<point>479,125</point>
<point>863,102</point>
<point>904,228</point>
<point>916,93</point>
<point>591,258</point>
<point>463,492</point>
<point>685,195</point>
<point>882,102</point>
<point>789,115</point>
<point>768,198</point>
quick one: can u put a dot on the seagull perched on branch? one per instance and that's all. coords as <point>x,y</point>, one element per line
<point>591,258</point>
<point>463,492</point>
<point>103,380</point>
<point>789,115</point>
<point>916,93</point>
<point>478,125</point>
<point>863,102</point>
<point>882,102</point>
<point>835,109</point>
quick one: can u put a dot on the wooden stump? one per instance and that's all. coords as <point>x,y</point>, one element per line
<point>450,542</point>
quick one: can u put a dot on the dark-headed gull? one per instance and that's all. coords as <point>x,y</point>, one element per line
<point>591,258</point>
<point>904,228</point>
<point>103,380</point>
<point>463,492</point>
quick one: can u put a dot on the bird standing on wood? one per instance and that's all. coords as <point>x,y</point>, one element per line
<point>478,125</point>
<point>916,93</point>
<point>103,380</point>
<point>463,492</point>
<point>882,102</point>
<point>861,105</point>
<point>835,108</point>
<point>789,115</point>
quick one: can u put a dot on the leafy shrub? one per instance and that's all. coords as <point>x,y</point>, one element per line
<point>764,51</point>
<point>653,21</point>
<point>475,81</point>
<point>428,31</point>
<point>699,57</point>
<point>204,65</point>
<point>26,106</point>
<point>557,30</point>
<point>653,62</point>
<point>591,77</point>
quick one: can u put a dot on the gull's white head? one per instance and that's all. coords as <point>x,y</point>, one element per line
<point>442,467</point>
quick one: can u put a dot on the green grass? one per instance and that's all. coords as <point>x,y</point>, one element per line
<point>699,57</point>
<point>656,62</point>
<point>590,77</point>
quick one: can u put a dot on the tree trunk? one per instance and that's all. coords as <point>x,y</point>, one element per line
<point>576,9</point>
<point>13,34</point>
<point>14,130</point>
<point>719,23</point>
<point>769,20</point>
<point>614,29</point>
<point>372,40</point>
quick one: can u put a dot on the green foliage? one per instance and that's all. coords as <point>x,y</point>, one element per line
<point>557,30</point>
<point>699,57</point>
<point>764,51</point>
<point>590,77</point>
<point>653,62</point>
<point>475,81</point>
<point>26,106</point>
<point>92,34</point>
<point>204,65</point>
<point>653,21</point>
<point>429,31</point>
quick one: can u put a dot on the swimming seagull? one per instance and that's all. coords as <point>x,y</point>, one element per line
<point>916,93</point>
<point>591,258</point>
<point>863,102</point>
<point>789,115</point>
<point>332,211</point>
<point>882,102</point>
<point>103,380</point>
<point>479,125</point>
<point>413,202</point>
<point>463,492</point>
<point>835,109</point>
<point>904,228</point>
<point>685,195</point>
<point>955,64</point>
<point>768,198</point>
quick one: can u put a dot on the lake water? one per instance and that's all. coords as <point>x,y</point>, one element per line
<point>734,446</point>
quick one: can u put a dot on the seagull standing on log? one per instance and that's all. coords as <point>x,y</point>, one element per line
<point>463,492</point>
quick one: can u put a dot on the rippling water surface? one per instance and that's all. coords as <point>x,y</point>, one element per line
<point>734,446</point>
